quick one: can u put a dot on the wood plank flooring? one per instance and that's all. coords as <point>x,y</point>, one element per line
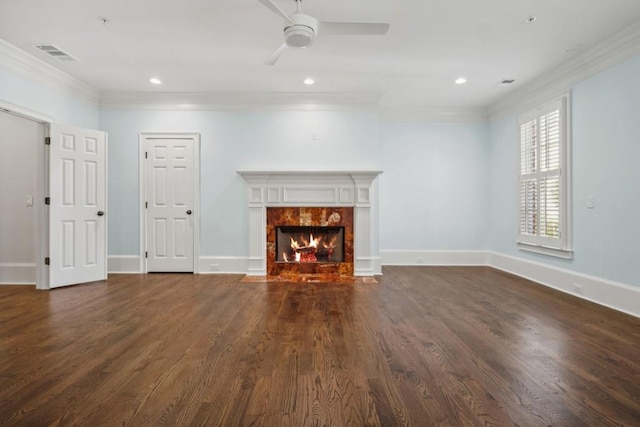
<point>425,346</point>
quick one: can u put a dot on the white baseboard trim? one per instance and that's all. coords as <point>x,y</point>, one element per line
<point>123,264</point>
<point>17,273</point>
<point>130,264</point>
<point>224,265</point>
<point>430,257</point>
<point>377,265</point>
<point>618,296</point>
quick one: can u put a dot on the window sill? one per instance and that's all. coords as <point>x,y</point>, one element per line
<point>544,250</point>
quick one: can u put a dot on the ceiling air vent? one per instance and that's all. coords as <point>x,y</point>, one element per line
<point>54,52</point>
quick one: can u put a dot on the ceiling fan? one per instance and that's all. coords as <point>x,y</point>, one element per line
<point>300,30</point>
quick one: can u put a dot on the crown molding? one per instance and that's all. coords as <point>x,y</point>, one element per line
<point>241,101</point>
<point>619,47</point>
<point>34,69</point>
<point>616,49</point>
<point>406,115</point>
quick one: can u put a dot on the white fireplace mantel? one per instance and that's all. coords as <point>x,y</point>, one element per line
<point>313,188</point>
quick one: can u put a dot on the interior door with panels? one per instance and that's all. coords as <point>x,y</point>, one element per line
<point>170,176</point>
<point>77,205</point>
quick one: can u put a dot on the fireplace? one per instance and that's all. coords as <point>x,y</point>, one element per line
<point>309,244</point>
<point>345,200</point>
<point>309,241</point>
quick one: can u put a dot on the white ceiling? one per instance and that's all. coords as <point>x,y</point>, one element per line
<point>221,46</point>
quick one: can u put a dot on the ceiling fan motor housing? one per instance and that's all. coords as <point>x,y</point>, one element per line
<point>303,31</point>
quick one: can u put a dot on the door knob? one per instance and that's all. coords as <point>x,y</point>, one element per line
<point>100,213</point>
<point>189,212</point>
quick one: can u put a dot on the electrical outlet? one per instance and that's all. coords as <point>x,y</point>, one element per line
<point>215,267</point>
<point>419,260</point>
<point>590,202</point>
<point>578,289</point>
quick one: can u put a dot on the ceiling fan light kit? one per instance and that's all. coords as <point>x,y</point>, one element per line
<point>300,30</point>
<point>299,36</point>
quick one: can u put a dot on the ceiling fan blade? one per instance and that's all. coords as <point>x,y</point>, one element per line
<point>275,9</point>
<point>276,55</point>
<point>354,28</point>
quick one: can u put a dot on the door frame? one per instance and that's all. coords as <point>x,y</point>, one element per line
<point>42,214</point>
<point>142,186</point>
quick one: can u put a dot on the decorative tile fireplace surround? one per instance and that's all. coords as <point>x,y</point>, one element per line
<point>304,242</point>
<point>303,190</point>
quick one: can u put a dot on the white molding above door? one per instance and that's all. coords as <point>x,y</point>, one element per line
<point>142,186</point>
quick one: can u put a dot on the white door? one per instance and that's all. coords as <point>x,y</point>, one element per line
<point>170,204</point>
<point>78,202</point>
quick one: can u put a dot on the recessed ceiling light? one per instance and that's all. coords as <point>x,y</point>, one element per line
<point>530,20</point>
<point>155,80</point>
<point>308,81</point>
<point>460,81</point>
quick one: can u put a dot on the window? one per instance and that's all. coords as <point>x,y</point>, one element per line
<point>544,224</point>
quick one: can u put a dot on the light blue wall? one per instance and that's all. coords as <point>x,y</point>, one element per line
<point>232,141</point>
<point>435,175</point>
<point>42,99</point>
<point>434,190</point>
<point>606,165</point>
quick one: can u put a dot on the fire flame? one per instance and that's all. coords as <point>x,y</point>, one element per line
<point>331,244</point>
<point>305,248</point>
<point>294,244</point>
<point>306,243</point>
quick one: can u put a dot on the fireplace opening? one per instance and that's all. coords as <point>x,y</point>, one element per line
<point>303,244</point>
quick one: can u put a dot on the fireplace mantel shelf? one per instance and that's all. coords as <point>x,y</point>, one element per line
<point>260,176</point>
<point>308,172</point>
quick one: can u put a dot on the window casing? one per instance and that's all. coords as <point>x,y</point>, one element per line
<point>545,180</point>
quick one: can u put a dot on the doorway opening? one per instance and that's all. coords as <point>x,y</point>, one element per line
<point>21,189</point>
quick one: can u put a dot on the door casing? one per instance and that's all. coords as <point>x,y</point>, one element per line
<point>142,179</point>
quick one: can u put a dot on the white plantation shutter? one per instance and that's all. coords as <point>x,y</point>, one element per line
<point>528,206</point>
<point>528,179</point>
<point>543,187</point>
<point>550,141</point>
<point>550,207</point>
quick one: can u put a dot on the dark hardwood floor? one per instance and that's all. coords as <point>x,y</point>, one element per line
<point>426,346</point>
